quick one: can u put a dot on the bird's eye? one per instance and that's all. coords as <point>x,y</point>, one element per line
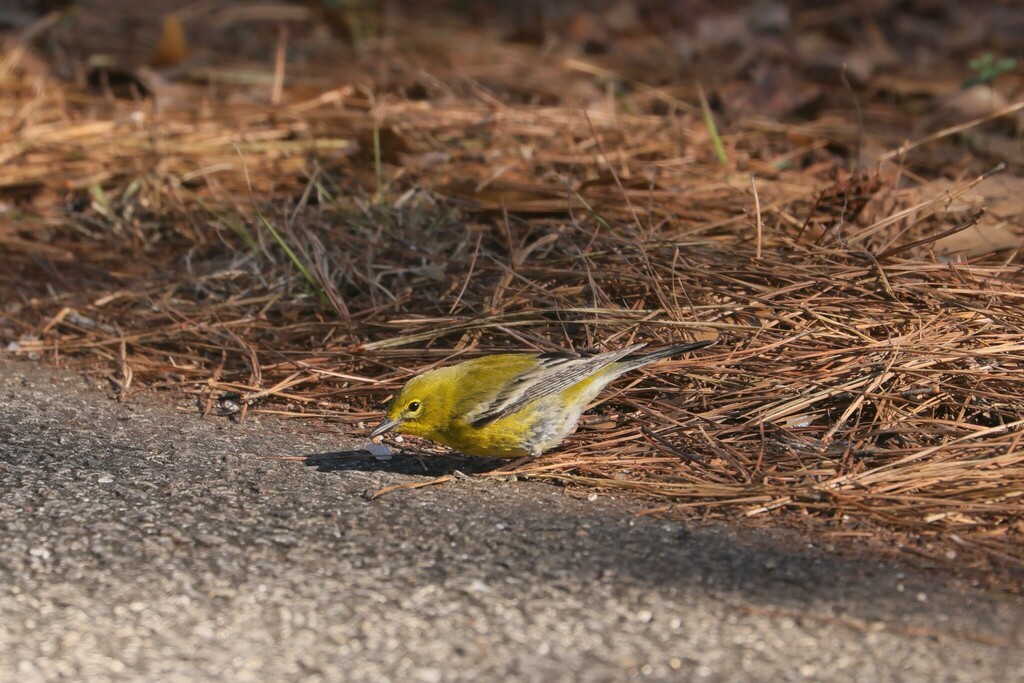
<point>414,406</point>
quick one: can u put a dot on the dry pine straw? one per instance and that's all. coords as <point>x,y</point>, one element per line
<point>259,257</point>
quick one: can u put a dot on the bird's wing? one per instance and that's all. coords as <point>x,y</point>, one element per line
<point>552,373</point>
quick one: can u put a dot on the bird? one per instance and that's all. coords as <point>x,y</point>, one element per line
<point>511,405</point>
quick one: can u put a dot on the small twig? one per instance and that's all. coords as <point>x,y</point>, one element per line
<point>408,486</point>
<point>668,447</point>
<point>953,130</point>
<point>280,61</point>
<point>970,222</point>
<point>757,213</point>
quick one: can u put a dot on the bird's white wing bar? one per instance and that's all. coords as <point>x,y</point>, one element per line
<point>553,373</point>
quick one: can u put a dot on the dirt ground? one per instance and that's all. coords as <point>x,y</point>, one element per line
<point>141,543</point>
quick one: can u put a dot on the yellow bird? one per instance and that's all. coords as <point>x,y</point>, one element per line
<point>511,404</point>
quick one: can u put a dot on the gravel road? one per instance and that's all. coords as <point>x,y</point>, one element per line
<point>140,542</point>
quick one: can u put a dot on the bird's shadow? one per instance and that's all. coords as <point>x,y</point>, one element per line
<point>402,462</point>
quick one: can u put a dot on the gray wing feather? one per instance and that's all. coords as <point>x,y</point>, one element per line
<point>553,373</point>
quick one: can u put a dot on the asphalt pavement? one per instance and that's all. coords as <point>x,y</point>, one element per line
<point>139,542</point>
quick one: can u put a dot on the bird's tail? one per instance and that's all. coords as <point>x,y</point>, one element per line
<point>635,360</point>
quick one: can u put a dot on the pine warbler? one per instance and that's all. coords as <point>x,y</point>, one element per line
<point>511,404</point>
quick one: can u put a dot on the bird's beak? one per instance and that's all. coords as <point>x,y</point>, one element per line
<point>385,427</point>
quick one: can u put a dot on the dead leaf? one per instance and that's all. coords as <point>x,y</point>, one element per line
<point>1003,197</point>
<point>772,91</point>
<point>172,49</point>
<point>972,103</point>
<point>978,240</point>
<point>514,197</point>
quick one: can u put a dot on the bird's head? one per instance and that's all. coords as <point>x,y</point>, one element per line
<point>417,409</point>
